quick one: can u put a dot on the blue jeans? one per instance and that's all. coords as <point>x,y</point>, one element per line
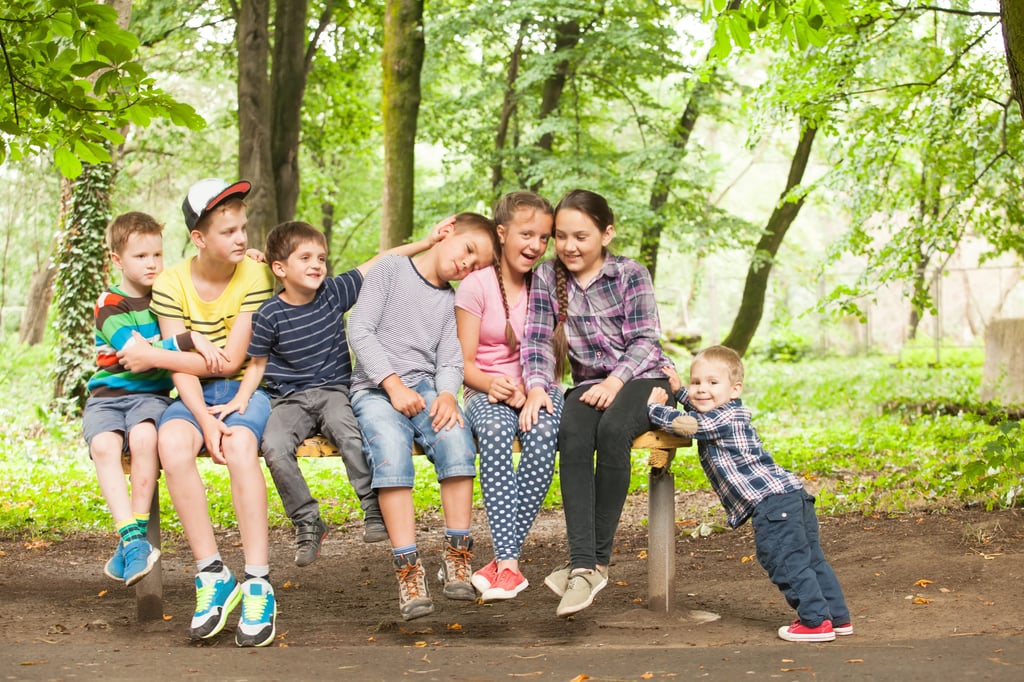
<point>388,436</point>
<point>786,536</point>
<point>219,392</point>
<point>513,495</point>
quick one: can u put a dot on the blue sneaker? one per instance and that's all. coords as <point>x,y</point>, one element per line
<point>114,568</point>
<point>259,614</point>
<point>139,559</point>
<point>217,594</point>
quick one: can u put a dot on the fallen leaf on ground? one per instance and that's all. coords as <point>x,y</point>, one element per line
<point>922,600</point>
<point>923,582</point>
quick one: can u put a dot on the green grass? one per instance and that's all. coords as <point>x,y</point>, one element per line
<point>823,418</point>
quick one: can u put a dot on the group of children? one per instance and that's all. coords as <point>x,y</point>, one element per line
<point>257,372</point>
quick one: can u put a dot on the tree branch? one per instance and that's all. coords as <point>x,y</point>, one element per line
<point>10,71</point>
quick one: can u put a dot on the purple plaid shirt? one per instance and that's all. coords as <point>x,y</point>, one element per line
<point>741,471</point>
<point>612,326</point>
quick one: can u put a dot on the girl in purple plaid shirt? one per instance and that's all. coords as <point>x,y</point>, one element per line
<point>599,310</point>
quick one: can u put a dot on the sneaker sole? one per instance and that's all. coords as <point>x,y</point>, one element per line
<point>151,560</point>
<point>456,591</point>
<point>843,631</point>
<point>418,611</point>
<point>243,640</point>
<point>375,536</point>
<point>497,594</point>
<point>481,583</point>
<point>823,637</point>
<point>233,600</point>
<point>568,611</point>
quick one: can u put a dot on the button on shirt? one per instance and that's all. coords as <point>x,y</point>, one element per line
<point>612,326</point>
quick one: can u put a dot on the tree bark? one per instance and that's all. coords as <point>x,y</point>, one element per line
<point>255,159</point>
<point>752,304</point>
<point>508,108</point>
<point>402,61</point>
<point>567,36</point>
<point>40,288</point>
<point>287,83</point>
<point>1011,14</point>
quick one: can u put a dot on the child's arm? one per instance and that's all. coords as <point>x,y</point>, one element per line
<point>209,359</point>
<point>679,423</point>
<point>498,387</point>
<point>412,248</point>
<point>250,382</point>
<point>445,412</point>
<point>674,382</point>
<point>404,399</point>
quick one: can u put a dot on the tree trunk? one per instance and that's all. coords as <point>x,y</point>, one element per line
<point>327,225</point>
<point>752,305</point>
<point>255,160</point>
<point>1011,14</point>
<point>508,108</point>
<point>40,291</point>
<point>287,83</point>
<point>402,61</point>
<point>567,36</point>
<point>1002,378</point>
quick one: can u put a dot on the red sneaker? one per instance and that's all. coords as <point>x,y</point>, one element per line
<point>508,585</point>
<point>844,629</point>
<point>798,632</point>
<point>485,577</point>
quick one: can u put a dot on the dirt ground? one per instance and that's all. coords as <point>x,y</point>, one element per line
<point>931,576</point>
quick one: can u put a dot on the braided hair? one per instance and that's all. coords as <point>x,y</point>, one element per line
<point>504,214</point>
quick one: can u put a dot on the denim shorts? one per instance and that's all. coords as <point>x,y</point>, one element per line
<point>121,413</point>
<point>388,437</point>
<point>221,391</point>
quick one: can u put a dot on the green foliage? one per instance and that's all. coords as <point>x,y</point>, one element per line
<point>72,82</point>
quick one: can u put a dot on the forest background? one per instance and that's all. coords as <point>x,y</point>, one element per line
<point>804,178</point>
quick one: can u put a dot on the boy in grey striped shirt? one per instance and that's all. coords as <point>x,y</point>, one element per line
<point>407,374</point>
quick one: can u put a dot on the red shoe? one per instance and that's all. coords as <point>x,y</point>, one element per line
<point>485,577</point>
<point>508,585</point>
<point>845,629</point>
<point>798,632</point>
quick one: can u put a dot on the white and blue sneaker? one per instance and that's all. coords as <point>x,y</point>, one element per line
<point>256,627</point>
<point>139,559</point>
<point>217,594</point>
<point>114,568</point>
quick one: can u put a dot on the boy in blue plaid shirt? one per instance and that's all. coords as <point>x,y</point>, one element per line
<point>751,485</point>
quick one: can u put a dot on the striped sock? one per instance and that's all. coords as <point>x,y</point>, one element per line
<point>129,531</point>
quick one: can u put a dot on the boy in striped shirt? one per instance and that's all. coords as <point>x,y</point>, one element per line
<point>299,348</point>
<point>752,486</point>
<point>407,375</point>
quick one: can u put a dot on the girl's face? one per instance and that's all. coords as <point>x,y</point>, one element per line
<point>524,239</point>
<point>580,243</point>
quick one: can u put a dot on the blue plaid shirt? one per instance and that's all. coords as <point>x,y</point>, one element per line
<point>741,471</point>
<point>612,326</point>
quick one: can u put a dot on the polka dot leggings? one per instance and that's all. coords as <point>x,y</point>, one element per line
<point>513,496</point>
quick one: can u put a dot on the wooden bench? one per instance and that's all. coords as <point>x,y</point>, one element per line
<point>661,528</point>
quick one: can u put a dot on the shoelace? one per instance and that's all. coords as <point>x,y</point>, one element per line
<point>204,597</point>
<point>253,606</point>
<point>408,575</point>
<point>460,559</point>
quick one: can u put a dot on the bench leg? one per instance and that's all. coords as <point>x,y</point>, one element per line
<point>149,592</point>
<point>661,544</point>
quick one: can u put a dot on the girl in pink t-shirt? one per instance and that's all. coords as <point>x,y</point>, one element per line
<point>490,309</point>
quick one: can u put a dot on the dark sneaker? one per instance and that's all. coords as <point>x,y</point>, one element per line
<point>139,559</point>
<point>114,568</point>
<point>485,577</point>
<point>374,529</point>
<point>256,627</point>
<point>413,596</point>
<point>580,592</point>
<point>798,632</point>
<point>844,629</point>
<point>308,538</point>
<point>456,569</point>
<point>507,586</point>
<point>217,594</point>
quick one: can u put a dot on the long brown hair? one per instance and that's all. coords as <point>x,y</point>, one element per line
<point>504,213</point>
<point>595,207</point>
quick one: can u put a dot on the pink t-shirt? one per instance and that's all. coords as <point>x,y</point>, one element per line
<point>479,295</point>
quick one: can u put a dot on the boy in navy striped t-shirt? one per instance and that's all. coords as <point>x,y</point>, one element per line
<point>299,348</point>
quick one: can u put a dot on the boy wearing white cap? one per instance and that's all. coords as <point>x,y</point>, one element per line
<point>216,292</point>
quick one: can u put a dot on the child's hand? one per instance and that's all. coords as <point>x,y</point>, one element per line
<point>439,230</point>
<point>501,389</point>
<point>137,354</point>
<point>445,413</point>
<point>518,399</point>
<point>601,396</point>
<point>536,399</point>
<point>674,382</point>
<point>256,255</point>
<point>684,425</point>
<point>237,404</point>
<point>407,401</point>
<point>658,396</point>
<point>215,356</point>
<point>214,432</point>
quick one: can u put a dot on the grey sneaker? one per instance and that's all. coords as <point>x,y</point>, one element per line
<point>413,595</point>
<point>580,592</point>
<point>308,538</point>
<point>374,529</point>
<point>456,569</point>
<point>558,579</point>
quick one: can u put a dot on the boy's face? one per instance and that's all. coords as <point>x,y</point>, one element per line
<point>461,253</point>
<point>710,385</point>
<point>525,239</point>
<point>141,260</point>
<point>224,238</point>
<point>305,269</point>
